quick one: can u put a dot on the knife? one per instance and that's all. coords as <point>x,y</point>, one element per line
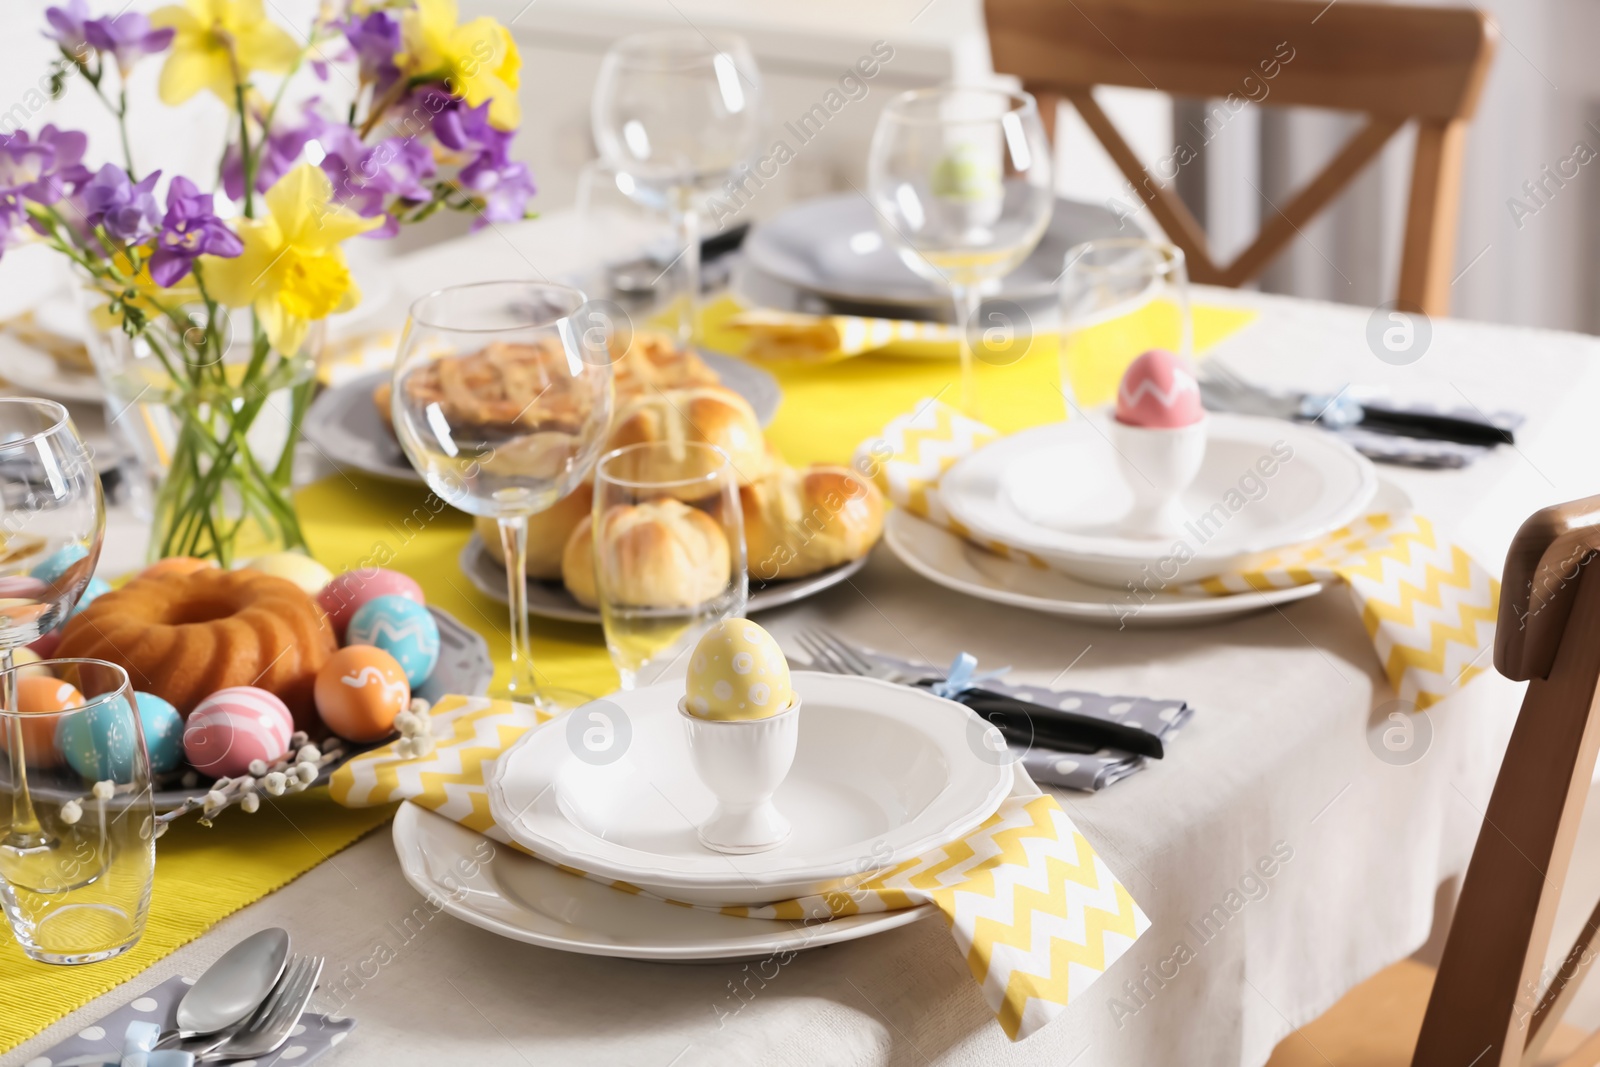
<point>1027,723</point>
<point>1222,390</point>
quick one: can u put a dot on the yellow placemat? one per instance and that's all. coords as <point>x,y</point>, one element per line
<point>354,521</point>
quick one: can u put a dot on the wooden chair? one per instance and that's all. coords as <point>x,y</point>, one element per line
<point>1394,64</point>
<point>1489,1005</point>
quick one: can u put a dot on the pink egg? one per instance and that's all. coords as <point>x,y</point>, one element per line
<point>1159,390</point>
<point>343,596</point>
<point>45,644</point>
<point>233,727</point>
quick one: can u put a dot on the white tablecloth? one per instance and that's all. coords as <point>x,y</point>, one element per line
<point>1276,774</point>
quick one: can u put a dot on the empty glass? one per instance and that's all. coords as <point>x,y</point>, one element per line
<point>1120,297</point>
<point>501,401</point>
<point>669,553</point>
<point>82,795</point>
<point>676,113</point>
<point>961,181</point>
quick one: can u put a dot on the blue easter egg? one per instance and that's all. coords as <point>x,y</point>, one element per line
<point>99,742</point>
<point>401,627</point>
<point>163,732</point>
<point>95,588</point>
<point>53,566</point>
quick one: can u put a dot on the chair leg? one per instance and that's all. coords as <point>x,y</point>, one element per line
<point>1428,255</point>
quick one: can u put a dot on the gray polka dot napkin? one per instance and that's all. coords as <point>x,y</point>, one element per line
<point>102,1043</point>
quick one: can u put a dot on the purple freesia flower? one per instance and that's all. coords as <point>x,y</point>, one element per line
<point>67,26</point>
<point>375,40</point>
<point>365,178</point>
<point>189,229</point>
<point>128,211</point>
<point>42,169</point>
<point>126,37</point>
<point>505,184</point>
<point>275,157</point>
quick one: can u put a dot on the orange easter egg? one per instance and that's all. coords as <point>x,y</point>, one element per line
<point>360,691</point>
<point>176,566</point>
<point>36,695</point>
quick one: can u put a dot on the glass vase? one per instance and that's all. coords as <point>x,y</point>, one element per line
<point>211,412</point>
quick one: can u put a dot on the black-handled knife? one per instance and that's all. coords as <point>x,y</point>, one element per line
<point>1028,723</point>
<point>1411,422</point>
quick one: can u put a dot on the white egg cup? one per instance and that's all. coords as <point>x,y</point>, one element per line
<point>1158,463</point>
<point>743,762</point>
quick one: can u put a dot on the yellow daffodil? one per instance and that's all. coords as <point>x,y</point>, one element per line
<point>478,61</point>
<point>219,43</point>
<point>292,270</point>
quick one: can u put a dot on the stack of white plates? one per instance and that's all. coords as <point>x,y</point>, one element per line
<point>882,773</point>
<point>1055,492</point>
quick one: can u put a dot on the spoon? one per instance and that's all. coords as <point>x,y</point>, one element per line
<point>231,988</point>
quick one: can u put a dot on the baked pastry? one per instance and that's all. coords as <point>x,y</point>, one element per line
<point>654,361</point>
<point>709,414</point>
<point>183,637</point>
<point>547,532</point>
<point>504,389</point>
<point>660,554</point>
<point>799,522</point>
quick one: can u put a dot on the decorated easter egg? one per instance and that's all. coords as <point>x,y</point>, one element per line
<point>352,590</point>
<point>53,566</point>
<point>296,567</point>
<point>26,660</point>
<point>175,567</point>
<point>1159,390</point>
<point>401,627</point>
<point>100,742</point>
<point>97,587</point>
<point>39,695</point>
<point>360,691</point>
<point>737,671</point>
<point>23,587</point>
<point>233,727</point>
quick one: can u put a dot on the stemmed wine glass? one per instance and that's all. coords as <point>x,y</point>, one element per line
<point>501,401</point>
<point>676,114</point>
<point>52,523</point>
<point>961,181</point>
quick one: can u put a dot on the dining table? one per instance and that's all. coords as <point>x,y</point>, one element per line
<point>1282,851</point>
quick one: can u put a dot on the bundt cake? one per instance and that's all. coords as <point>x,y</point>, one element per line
<point>183,637</point>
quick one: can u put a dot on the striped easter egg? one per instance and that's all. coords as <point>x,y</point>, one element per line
<point>232,727</point>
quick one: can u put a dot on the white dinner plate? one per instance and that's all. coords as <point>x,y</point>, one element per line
<point>507,892</point>
<point>1056,491</point>
<point>882,773</point>
<point>343,424</point>
<point>955,563</point>
<point>833,246</point>
<point>40,374</point>
<point>550,599</point>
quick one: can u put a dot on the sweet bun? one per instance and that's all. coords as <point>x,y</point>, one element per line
<point>799,522</point>
<point>654,361</point>
<point>548,531</point>
<point>708,414</point>
<point>660,554</point>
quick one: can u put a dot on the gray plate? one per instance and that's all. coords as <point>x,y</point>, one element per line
<point>345,427</point>
<point>550,600</point>
<point>831,246</point>
<point>464,668</point>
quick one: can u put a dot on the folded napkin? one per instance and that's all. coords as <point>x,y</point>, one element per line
<point>1427,606</point>
<point>1089,772</point>
<point>785,335</point>
<point>102,1042</point>
<point>1037,915</point>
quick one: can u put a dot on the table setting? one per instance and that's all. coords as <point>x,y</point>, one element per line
<point>494,640</point>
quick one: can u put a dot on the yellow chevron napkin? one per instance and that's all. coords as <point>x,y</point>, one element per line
<point>1428,607</point>
<point>784,335</point>
<point>1035,912</point>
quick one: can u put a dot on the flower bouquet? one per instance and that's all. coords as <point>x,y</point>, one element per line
<point>208,295</point>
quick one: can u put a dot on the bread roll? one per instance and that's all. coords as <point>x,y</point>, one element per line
<point>659,554</point>
<point>799,522</point>
<point>654,361</point>
<point>547,532</point>
<point>708,414</point>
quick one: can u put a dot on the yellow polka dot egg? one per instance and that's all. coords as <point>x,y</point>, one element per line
<point>738,671</point>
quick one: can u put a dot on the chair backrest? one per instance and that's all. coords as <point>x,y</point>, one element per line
<point>1394,64</point>
<point>1486,1007</point>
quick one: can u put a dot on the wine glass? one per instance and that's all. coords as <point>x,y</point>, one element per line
<point>669,552</point>
<point>83,787</point>
<point>1120,296</point>
<point>960,179</point>
<point>677,113</point>
<point>52,523</point>
<point>501,399</point>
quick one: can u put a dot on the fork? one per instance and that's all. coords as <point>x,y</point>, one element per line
<point>1018,720</point>
<point>269,1027</point>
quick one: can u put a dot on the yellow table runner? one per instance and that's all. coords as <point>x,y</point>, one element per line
<point>350,521</point>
